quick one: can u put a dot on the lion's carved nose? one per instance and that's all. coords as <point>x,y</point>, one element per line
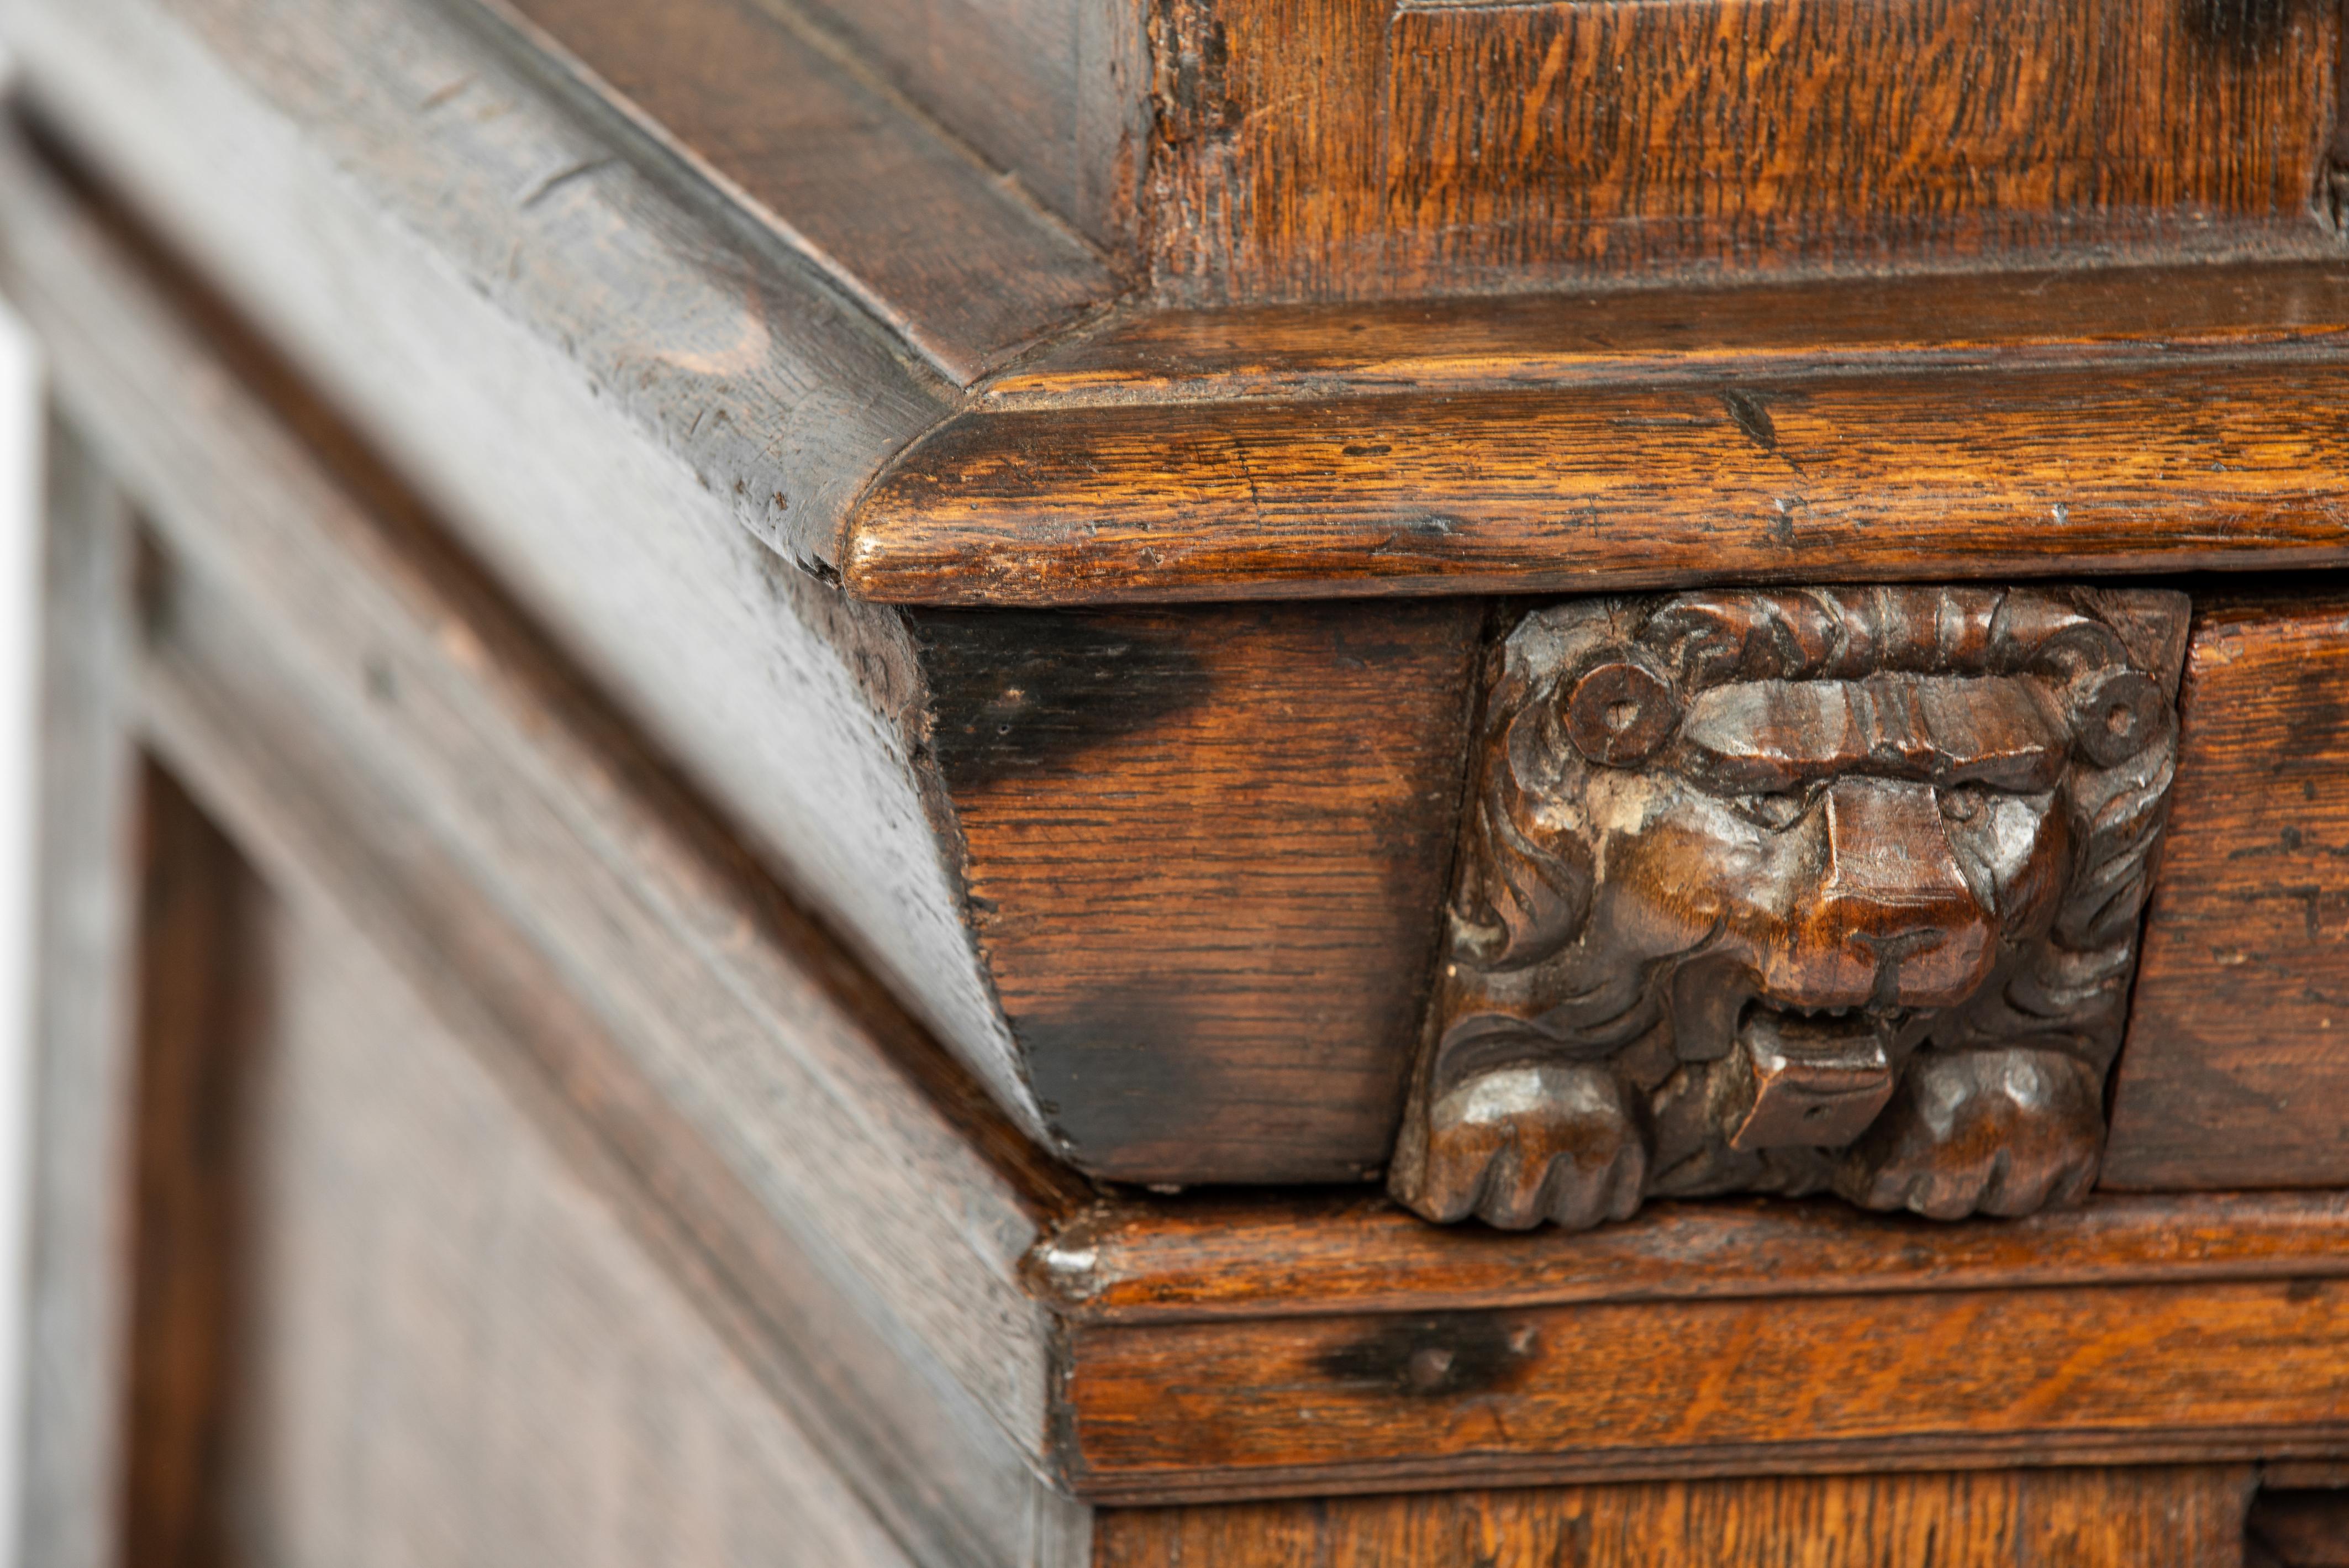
<point>1886,917</point>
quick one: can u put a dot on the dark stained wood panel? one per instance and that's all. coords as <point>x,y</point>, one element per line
<point>203,1006</point>
<point>2299,1529</point>
<point>1846,478</point>
<point>2236,1070</point>
<point>2139,1373</point>
<point>1205,852</point>
<point>2169,1517</point>
<point>914,227</point>
<point>1705,136</point>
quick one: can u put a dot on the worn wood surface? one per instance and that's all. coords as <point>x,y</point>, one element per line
<point>1054,91</point>
<point>896,215</point>
<point>1320,150</point>
<point>602,389</point>
<point>78,1311</point>
<point>2234,1074</point>
<point>1206,850</point>
<point>202,999</point>
<point>457,1353</point>
<point>1885,477</point>
<point>945,1480</point>
<point>2178,1517</point>
<point>849,1192</point>
<point>1197,1411</point>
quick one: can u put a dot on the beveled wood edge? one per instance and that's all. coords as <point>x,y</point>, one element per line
<point>1825,475</point>
<point>2311,1446</point>
<point>769,386</point>
<point>1629,334</point>
<point>1247,1257</point>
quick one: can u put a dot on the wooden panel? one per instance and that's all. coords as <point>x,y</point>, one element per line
<point>2236,1070</point>
<point>372,718</point>
<point>2158,1518</point>
<point>78,1309</point>
<point>1314,151</point>
<point>454,1353</point>
<point>1205,852</point>
<point>1884,477</point>
<point>1053,91</point>
<point>202,1003</point>
<point>648,427</point>
<point>948,1484</point>
<point>903,220</point>
<point>2143,1373</point>
<point>1582,136</point>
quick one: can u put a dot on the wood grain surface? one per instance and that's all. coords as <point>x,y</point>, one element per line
<point>1206,851</point>
<point>642,487</point>
<point>1580,137</point>
<point>898,217</point>
<point>2139,1373</point>
<point>2175,1517</point>
<point>458,1353</point>
<point>1254,1255</point>
<point>2236,1073</point>
<point>1320,150</point>
<point>2011,321</point>
<point>1886,477</point>
<point>379,725</point>
<point>1053,91</point>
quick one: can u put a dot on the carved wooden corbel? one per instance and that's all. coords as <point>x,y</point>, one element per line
<point>1786,891</point>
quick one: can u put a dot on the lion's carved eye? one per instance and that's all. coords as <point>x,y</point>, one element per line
<point>1619,712</point>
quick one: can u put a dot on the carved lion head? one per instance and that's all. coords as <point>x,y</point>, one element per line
<point>1754,881</point>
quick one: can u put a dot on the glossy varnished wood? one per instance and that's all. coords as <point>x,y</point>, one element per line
<point>1889,477</point>
<point>2121,1373</point>
<point>2161,1518</point>
<point>2235,1071</point>
<point>1319,150</point>
<point>1210,1255</point>
<point>2120,316</point>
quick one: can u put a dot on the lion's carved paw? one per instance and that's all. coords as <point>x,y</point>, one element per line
<point>1516,1146</point>
<point>2001,1132</point>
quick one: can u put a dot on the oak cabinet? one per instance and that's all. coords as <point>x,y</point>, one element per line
<point>1060,782</point>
